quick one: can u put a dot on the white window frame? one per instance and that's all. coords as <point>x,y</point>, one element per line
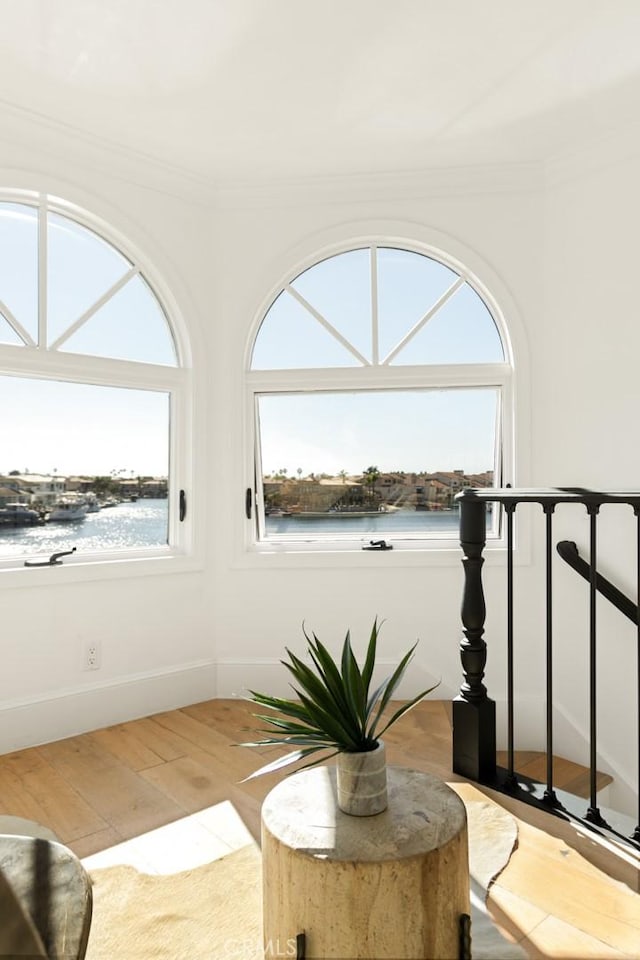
<point>378,377</point>
<point>40,362</point>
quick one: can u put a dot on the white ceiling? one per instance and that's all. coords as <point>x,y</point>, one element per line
<point>235,89</point>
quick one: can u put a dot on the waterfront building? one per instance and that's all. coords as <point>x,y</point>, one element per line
<point>42,489</point>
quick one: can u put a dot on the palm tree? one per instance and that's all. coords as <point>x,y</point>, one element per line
<point>370,476</point>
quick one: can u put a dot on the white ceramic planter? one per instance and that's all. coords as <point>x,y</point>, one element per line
<point>362,782</point>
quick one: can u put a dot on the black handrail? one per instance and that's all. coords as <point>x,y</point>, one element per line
<point>568,550</point>
<point>474,712</point>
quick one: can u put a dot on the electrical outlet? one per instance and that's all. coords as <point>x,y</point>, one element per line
<point>91,655</point>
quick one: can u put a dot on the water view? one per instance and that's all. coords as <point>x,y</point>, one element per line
<point>125,526</point>
<point>434,523</point>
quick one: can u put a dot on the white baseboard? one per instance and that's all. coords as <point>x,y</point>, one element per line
<point>66,713</point>
<point>72,711</point>
<point>237,676</point>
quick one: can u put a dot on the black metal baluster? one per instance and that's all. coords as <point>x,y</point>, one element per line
<point>511,780</point>
<point>474,714</point>
<point>593,813</point>
<point>549,794</point>
<point>473,711</point>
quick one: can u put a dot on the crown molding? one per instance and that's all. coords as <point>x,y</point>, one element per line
<point>29,137</point>
<point>588,159</point>
<point>436,182</point>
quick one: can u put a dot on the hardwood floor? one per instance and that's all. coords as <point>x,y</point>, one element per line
<point>563,894</point>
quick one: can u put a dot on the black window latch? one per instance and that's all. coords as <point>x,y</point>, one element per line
<point>53,561</point>
<point>378,545</point>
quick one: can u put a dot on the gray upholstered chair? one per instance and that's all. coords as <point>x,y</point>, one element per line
<point>45,898</point>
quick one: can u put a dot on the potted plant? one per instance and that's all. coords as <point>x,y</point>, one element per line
<point>335,710</point>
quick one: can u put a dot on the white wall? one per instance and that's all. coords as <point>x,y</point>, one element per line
<point>587,348</point>
<point>156,632</point>
<point>560,258</point>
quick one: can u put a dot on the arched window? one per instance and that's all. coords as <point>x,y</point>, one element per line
<point>380,380</point>
<point>92,380</point>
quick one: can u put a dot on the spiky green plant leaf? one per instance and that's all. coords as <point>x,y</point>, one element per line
<point>334,707</point>
<point>285,761</point>
<point>390,687</point>
<point>328,670</point>
<point>370,661</point>
<point>406,707</point>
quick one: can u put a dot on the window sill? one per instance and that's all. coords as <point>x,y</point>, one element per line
<point>333,556</point>
<point>111,568</point>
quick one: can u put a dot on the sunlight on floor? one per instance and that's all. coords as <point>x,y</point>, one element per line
<point>181,845</point>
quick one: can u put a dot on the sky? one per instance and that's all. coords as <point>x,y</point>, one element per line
<point>417,311</point>
<point>393,430</point>
<point>80,429</point>
<point>72,428</point>
<point>414,431</point>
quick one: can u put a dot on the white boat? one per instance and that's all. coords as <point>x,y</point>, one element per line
<point>66,510</point>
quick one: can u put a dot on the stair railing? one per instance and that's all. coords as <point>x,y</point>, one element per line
<point>568,550</point>
<point>474,716</point>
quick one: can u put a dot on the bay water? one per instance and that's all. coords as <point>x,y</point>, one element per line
<point>144,523</point>
<point>428,522</point>
<point>125,526</point>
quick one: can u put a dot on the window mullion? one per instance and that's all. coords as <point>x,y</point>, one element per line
<point>256,481</point>
<point>16,326</point>
<point>25,361</point>
<point>93,309</point>
<point>375,340</point>
<point>327,326</point>
<point>371,378</point>
<point>42,273</point>
<point>424,320</point>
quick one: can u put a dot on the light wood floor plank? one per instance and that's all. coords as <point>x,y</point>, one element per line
<point>567,775</point>
<point>514,914</point>
<point>555,938</point>
<point>102,788</point>
<point>122,798</point>
<point>191,784</point>
<point>122,742</point>
<point>558,881</point>
<point>94,842</point>
<point>15,800</point>
<point>59,804</point>
<point>157,738</point>
<point>219,747</point>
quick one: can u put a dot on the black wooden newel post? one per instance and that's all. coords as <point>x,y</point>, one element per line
<point>474,714</point>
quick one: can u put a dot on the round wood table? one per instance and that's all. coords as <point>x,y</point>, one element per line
<point>394,885</point>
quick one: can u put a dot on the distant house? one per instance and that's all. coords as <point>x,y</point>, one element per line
<point>131,488</point>
<point>40,488</point>
<point>9,493</point>
<point>155,487</point>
